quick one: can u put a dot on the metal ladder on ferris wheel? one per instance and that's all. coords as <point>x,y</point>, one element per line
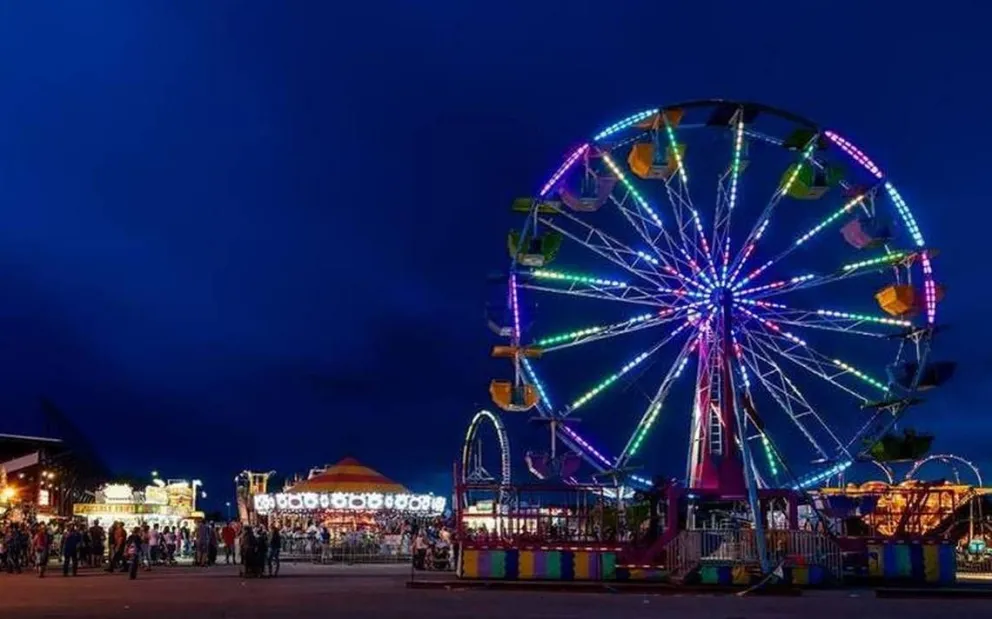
<point>715,434</point>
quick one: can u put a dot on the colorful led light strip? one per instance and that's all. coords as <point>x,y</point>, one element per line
<point>612,378</point>
<point>829,220</point>
<point>813,480</point>
<point>537,383</point>
<point>777,329</point>
<point>569,162</point>
<point>623,124</point>
<point>516,307</point>
<point>735,170</point>
<point>633,190</point>
<point>864,318</point>
<point>785,282</point>
<point>855,154</point>
<point>769,454</point>
<point>929,288</point>
<point>881,260</point>
<point>670,131</point>
<point>855,371</point>
<point>576,278</point>
<point>645,426</point>
<point>571,335</point>
<point>807,153</point>
<point>905,214</point>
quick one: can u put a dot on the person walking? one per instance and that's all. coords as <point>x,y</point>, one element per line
<point>275,547</point>
<point>42,546</point>
<point>229,538</point>
<point>70,550</point>
<point>133,545</point>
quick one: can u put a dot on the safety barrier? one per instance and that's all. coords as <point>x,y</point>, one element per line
<point>311,550</point>
<point>694,548</point>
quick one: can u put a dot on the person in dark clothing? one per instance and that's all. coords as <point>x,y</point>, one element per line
<point>275,547</point>
<point>261,552</point>
<point>70,550</point>
<point>247,551</point>
<point>133,546</point>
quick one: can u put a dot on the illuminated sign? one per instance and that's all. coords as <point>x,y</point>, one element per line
<point>118,493</point>
<point>44,498</point>
<point>156,496</point>
<point>349,501</point>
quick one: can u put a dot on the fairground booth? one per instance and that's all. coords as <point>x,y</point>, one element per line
<point>344,498</point>
<point>165,503</point>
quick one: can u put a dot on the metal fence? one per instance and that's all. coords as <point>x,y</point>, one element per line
<point>311,550</point>
<point>695,547</point>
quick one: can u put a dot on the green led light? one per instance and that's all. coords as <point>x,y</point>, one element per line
<point>829,220</point>
<point>868,379</point>
<point>865,318</point>
<point>609,380</point>
<point>807,153</point>
<point>643,433</point>
<point>571,335</point>
<point>576,278</point>
<point>769,454</point>
<point>887,259</point>
<point>670,132</point>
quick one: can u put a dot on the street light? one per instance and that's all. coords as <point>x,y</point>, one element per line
<point>228,505</point>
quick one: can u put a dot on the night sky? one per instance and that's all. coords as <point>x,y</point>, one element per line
<point>257,234</point>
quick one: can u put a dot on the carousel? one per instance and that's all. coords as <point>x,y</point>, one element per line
<point>345,497</point>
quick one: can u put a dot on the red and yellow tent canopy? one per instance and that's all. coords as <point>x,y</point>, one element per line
<point>349,475</point>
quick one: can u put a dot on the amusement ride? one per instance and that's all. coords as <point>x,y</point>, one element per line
<point>763,261</point>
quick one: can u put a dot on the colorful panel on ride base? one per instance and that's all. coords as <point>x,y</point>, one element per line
<point>541,564</point>
<point>922,562</point>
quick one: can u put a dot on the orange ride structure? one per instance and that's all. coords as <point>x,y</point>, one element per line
<point>347,496</point>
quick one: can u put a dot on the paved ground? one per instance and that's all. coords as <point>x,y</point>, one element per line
<point>379,592</point>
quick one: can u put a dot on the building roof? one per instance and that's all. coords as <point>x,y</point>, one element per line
<point>349,475</point>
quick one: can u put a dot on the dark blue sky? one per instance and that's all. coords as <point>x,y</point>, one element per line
<point>270,223</point>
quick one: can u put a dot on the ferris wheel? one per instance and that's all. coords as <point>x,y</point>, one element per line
<point>760,279</point>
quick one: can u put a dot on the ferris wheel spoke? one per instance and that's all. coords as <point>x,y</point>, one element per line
<point>786,394</point>
<point>675,261</point>
<point>753,420</point>
<point>869,266</point>
<point>593,289</point>
<point>726,198</point>
<point>685,248</point>
<point>765,218</point>
<point>602,332</point>
<point>627,368</point>
<point>831,370</point>
<point>654,407</point>
<point>803,238</point>
<point>611,249</point>
<point>827,320</point>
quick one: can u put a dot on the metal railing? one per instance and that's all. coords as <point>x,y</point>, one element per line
<point>312,550</point>
<point>692,548</point>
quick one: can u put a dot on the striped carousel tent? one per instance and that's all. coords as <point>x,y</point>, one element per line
<point>349,475</point>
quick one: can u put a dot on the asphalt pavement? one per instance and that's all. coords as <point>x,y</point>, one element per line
<point>312,591</point>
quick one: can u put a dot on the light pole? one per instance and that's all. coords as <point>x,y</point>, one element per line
<point>228,505</point>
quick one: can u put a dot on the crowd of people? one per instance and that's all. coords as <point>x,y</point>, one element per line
<point>34,546</point>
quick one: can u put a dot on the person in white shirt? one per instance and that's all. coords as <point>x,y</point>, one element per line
<point>154,544</point>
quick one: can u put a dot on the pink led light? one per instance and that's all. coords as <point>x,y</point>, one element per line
<point>585,444</point>
<point>855,154</point>
<point>564,168</point>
